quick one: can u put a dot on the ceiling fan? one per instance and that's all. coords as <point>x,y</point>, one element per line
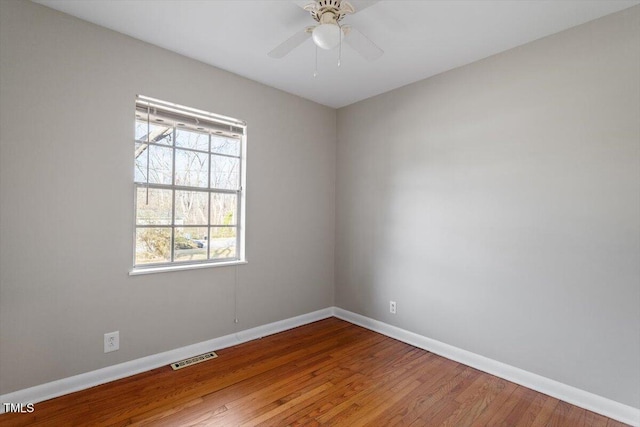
<point>329,33</point>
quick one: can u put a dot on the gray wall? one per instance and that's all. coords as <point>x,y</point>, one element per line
<point>67,91</point>
<point>499,205</point>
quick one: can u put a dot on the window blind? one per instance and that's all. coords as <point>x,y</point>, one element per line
<point>157,111</point>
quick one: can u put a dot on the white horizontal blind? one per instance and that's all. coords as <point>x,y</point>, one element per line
<point>190,118</point>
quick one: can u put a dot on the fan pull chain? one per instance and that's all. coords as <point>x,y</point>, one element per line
<point>340,46</point>
<point>315,71</point>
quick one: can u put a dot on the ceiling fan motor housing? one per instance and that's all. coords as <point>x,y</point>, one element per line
<point>329,11</point>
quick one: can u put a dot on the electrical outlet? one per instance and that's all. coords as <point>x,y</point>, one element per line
<point>111,341</point>
<point>392,307</point>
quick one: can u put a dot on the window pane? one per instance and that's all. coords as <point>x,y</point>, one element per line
<point>225,172</point>
<point>224,145</point>
<point>158,133</point>
<point>192,169</point>
<point>222,242</point>
<point>141,163</point>
<point>193,140</point>
<point>153,245</point>
<point>160,164</point>
<point>154,207</point>
<point>190,244</point>
<point>192,207</point>
<point>224,208</point>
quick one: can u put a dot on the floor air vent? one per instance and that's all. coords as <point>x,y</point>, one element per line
<point>193,360</point>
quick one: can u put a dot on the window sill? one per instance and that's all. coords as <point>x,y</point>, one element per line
<point>164,269</point>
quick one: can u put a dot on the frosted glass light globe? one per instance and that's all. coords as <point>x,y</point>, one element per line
<point>327,36</point>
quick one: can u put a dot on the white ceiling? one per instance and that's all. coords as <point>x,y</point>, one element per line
<point>420,38</point>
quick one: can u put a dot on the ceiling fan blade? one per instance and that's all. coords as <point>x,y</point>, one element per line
<point>303,3</point>
<point>361,44</point>
<point>291,43</point>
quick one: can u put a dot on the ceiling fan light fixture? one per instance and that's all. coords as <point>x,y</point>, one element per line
<point>327,36</point>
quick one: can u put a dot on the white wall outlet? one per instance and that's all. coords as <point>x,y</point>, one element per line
<point>111,341</point>
<point>392,307</point>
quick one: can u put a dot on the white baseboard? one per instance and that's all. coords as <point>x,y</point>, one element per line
<point>575,396</point>
<point>584,399</point>
<point>111,373</point>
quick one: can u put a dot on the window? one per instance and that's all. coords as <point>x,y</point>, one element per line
<point>189,187</point>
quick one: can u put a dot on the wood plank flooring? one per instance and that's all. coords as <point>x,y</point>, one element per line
<point>326,373</point>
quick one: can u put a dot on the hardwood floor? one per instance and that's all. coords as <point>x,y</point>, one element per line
<point>326,373</point>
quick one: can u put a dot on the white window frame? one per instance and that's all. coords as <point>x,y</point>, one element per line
<point>179,116</point>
